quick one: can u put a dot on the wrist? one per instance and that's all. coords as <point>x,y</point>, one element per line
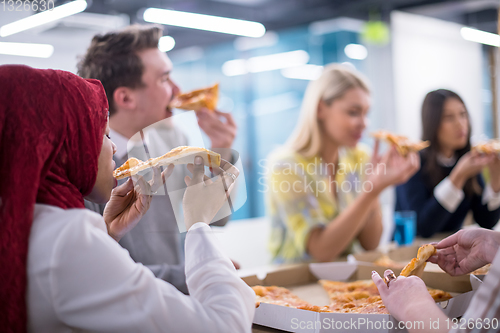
<point>189,221</point>
<point>495,184</point>
<point>377,187</point>
<point>373,193</point>
<point>457,180</point>
<point>495,244</point>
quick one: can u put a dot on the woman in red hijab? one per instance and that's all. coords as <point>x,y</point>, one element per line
<point>59,268</point>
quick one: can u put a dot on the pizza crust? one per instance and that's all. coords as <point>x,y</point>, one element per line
<point>403,145</point>
<point>197,99</point>
<point>416,265</point>
<point>179,155</point>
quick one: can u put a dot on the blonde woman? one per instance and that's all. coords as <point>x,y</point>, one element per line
<point>323,187</point>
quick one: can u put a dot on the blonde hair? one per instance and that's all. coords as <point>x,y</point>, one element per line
<point>335,80</point>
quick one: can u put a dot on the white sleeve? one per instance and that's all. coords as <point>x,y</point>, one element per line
<point>484,307</point>
<point>96,286</point>
<point>491,198</point>
<point>448,195</point>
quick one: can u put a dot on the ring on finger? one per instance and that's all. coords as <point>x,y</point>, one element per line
<point>390,277</point>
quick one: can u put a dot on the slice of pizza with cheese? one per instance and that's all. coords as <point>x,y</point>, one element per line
<point>489,147</point>
<point>353,297</point>
<point>483,270</point>
<point>402,143</point>
<point>284,297</point>
<point>416,265</point>
<point>198,99</point>
<point>179,155</point>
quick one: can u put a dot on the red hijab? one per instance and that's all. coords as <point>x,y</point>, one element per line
<point>51,130</point>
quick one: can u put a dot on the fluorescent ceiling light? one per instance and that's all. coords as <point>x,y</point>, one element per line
<point>41,18</point>
<point>356,51</point>
<point>166,43</point>
<point>479,36</point>
<point>235,67</point>
<point>305,72</point>
<point>337,24</point>
<point>27,49</point>
<point>204,22</point>
<point>100,22</point>
<point>265,63</point>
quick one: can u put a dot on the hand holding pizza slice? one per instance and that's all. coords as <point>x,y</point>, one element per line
<point>402,143</point>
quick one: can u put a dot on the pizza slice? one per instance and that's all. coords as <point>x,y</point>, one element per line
<point>363,296</point>
<point>336,288</point>
<point>416,265</point>
<point>179,155</point>
<point>489,147</point>
<point>284,297</point>
<point>483,270</point>
<point>402,143</point>
<point>198,99</point>
<point>354,297</point>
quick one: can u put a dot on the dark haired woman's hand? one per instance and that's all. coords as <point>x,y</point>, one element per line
<point>129,202</point>
<point>393,169</point>
<point>469,165</point>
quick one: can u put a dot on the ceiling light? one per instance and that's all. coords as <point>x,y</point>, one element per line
<point>235,67</point>
<point>479,36</point>
<point>41,18</point>
<point>166,43</point>
<point>356,51</point>
<point>204,22</point>
<point>265,63</point>
<point>305,72</point>
<point>26,49</point>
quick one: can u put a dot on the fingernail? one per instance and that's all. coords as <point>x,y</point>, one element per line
<point>198,160</point>
<point>373,272</point>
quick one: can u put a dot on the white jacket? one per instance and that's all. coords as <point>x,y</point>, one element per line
<point>80,279</point>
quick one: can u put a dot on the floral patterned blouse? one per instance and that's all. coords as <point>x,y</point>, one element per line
<point>299,197</point>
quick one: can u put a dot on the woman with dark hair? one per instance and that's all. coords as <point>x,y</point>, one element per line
<point>449,183</point>
<point>60,271</point>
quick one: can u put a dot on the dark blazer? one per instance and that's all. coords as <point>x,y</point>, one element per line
<point>432,217</point>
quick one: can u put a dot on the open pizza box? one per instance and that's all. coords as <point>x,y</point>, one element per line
<point>302,281</point>
<point>399,256</point>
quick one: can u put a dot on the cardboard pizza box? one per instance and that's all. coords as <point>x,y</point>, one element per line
<point>302,281</point>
